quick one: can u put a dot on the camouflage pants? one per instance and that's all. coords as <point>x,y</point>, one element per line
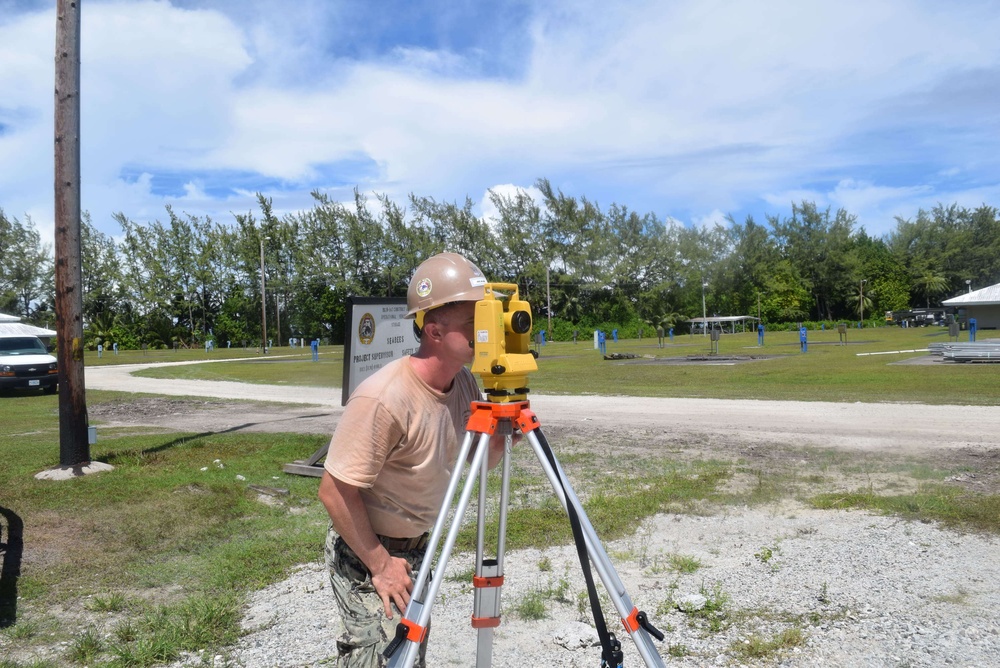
<point>364,629</point>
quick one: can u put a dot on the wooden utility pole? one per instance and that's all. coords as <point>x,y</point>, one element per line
<point>277,316</point>
<point>548,301</point>
<point>74,446</point>
<point>263,301</point>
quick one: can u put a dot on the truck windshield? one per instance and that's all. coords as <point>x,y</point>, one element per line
<point>22,345</point>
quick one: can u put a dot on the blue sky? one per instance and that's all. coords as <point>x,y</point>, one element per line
<point>690,109</point>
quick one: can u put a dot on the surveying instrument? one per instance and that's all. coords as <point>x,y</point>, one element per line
<point>503,360</point>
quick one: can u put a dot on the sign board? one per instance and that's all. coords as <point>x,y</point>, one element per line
<point>377,333</point>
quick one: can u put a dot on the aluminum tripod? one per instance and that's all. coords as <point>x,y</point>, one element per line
<point>489,418</point>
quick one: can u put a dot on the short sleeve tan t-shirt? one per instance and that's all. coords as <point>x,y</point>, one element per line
<point>398,441</point>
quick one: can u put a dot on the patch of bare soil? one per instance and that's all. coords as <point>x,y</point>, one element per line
<point>213,415</point>
<point>699,359</point>
<point>808,470</point>
<point>617,442</point>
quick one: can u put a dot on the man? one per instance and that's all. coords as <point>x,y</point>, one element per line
<point>391,458</point>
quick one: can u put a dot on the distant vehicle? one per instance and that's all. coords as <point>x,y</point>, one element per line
<point>25,364</point>
<point>918,317</point>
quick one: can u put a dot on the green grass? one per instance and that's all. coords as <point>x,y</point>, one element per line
<point>159,634</point>
<point>534,605</point>
<point>932,502</point>
<point>160,541</point>
<point>761,647</point>
<point>827,372</point>
<point>615,508</point>
<point>270,371</point>
<point>531,606</point>
<point>199,355</point>
<point>683,564</point>
<point>714,616</point>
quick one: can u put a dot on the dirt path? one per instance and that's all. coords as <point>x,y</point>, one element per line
<point>892,428</point>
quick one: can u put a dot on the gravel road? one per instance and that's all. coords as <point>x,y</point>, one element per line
<point>840,588</point>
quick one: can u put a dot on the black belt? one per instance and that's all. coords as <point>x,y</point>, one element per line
<point>404,544</point>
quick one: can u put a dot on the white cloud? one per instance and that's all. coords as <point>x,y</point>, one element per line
<point>710,220</point>
<point>489,211</point>
<point>863,196</point>
<point>158,84</point>
<point>787,198</point>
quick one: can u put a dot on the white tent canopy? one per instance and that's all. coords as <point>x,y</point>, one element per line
<point>721,321</point>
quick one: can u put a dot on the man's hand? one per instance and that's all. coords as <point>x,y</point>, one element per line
<point>393,583</point>
<point>390,575</point>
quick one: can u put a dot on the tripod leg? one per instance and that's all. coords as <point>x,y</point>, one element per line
<point>488,580</point>
<point>598,556</point>
<point>413,627</point>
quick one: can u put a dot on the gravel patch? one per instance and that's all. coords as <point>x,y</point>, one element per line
<point>862,590</point>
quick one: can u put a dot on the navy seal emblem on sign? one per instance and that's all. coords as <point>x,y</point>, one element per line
<point>366,329</point>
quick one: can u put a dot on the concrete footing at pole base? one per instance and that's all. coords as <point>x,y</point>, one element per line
<point>70,472</point>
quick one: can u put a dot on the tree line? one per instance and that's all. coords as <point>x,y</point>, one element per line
<point>188,278</point>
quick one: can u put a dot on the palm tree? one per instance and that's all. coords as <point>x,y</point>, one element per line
<point>666,320</point>
<point>862,304</point>
<point>931,283</point>
<point>100,329</point>
<point>569,308</point>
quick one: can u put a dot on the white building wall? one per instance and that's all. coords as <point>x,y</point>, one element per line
<point>987,317</point>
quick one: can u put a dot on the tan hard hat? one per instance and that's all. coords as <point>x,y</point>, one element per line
<point>442,279</point>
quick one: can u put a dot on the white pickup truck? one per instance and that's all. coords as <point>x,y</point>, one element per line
<point>26,364</point>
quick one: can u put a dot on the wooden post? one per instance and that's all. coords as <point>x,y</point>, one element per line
<point>74,446</point>
<point>548,302</point>
<point>263,301</point>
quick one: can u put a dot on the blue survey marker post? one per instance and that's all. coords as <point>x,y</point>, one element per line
<point>972,329</point>
<point>803,341</point>
<point>760,334</point>
<point>602,342</point>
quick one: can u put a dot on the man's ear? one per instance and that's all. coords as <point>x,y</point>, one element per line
<point>432,330</point>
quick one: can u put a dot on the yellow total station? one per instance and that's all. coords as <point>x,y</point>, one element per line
<point>503,338</point>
